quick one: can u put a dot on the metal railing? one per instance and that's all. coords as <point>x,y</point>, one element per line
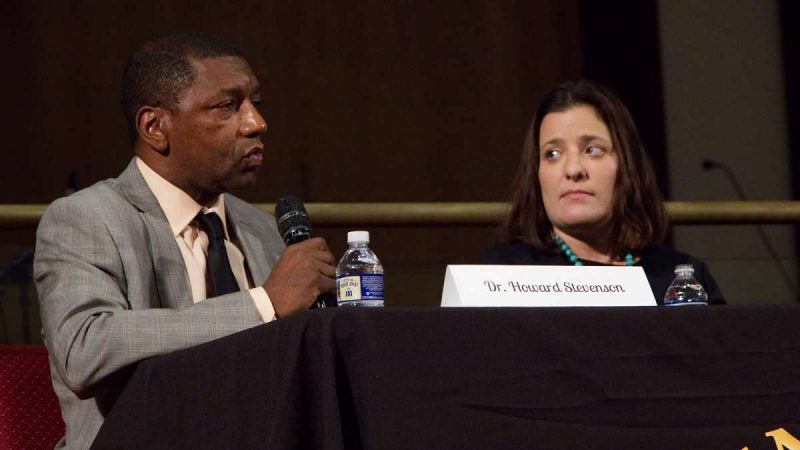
<point>475,213</point>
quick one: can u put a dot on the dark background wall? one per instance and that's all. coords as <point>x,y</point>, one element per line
<point>727,86</point>
<point>380,101</point>
<point>353,94</point>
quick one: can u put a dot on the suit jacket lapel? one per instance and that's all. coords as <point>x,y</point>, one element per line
<point>170,272</point>
<point>253,251</point>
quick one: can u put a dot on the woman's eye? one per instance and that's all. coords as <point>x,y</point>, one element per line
<point>594,150</point>
<point>550,154</point>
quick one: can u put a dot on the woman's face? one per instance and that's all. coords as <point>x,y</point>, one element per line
<point>577,170</point>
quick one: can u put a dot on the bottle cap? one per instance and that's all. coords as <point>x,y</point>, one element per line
<point>684,269</point>
<point>357,236</point>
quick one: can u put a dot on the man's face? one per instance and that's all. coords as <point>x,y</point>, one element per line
<point>215,130</point>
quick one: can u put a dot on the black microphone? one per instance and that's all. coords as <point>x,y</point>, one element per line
<point>710,164</point>
<point>294,225</point>
<point>16,270</point>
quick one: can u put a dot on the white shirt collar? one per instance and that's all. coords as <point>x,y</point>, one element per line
<point>177,205</point>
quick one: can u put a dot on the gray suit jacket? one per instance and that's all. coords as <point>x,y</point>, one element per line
<point>113,290</point>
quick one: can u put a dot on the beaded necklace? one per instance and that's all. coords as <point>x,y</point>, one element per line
<point>573,259</point>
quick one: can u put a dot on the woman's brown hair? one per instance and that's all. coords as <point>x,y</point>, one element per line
<point>638,217</point>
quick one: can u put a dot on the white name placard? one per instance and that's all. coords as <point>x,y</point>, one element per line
<point>482,285</point>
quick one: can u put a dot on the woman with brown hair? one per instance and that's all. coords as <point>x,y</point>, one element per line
<point>585,193</point>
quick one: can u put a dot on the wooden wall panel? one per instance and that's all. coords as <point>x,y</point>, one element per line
<point>366,101</point>
<point>417,101</point>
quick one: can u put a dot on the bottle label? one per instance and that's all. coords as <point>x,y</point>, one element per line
<point>360,287</point>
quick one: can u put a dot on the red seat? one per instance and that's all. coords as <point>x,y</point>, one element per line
<point>30,417</point>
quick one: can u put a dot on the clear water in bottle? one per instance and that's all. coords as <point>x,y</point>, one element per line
<point>685,289</point>
<point>359,275</point>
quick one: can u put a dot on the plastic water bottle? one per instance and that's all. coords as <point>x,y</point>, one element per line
<point>685,289</point>
<point>359,275</point>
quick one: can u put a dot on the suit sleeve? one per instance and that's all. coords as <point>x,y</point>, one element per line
<point>90,327</point>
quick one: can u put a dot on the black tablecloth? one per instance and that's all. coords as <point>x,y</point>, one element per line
<point>429,378</point>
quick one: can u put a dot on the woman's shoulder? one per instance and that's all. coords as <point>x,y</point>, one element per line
<point>660,256</point>
<point>659,263</point>
<point>516,252</point>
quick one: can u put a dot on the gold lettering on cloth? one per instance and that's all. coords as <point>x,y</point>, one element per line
<point>783,440</point>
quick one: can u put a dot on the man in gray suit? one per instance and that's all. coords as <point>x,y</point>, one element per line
<point>120,267</point>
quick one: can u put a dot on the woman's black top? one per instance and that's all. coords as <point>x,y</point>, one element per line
<point>657,261</point>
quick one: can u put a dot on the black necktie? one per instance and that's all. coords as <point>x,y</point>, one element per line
<point>218,264</point>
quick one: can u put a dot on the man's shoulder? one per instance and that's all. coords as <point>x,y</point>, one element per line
<point>252,222</point>
<point>663,252</point>
<point>662,258</point>
<point>250,216</point>
<point>244,210</point>
<point>97,198</point>
<point>100,201</point>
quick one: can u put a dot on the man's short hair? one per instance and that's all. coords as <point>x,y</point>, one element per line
<point>161,69</point>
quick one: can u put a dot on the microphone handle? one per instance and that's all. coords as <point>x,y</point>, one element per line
<point>325,300</point>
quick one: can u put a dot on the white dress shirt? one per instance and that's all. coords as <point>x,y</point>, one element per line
<point>192,241</point>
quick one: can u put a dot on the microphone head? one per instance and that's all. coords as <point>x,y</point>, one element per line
<point>708,164</point>
<point>292,219</point>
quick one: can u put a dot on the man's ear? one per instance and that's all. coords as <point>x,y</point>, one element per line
<point>152,123</point>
